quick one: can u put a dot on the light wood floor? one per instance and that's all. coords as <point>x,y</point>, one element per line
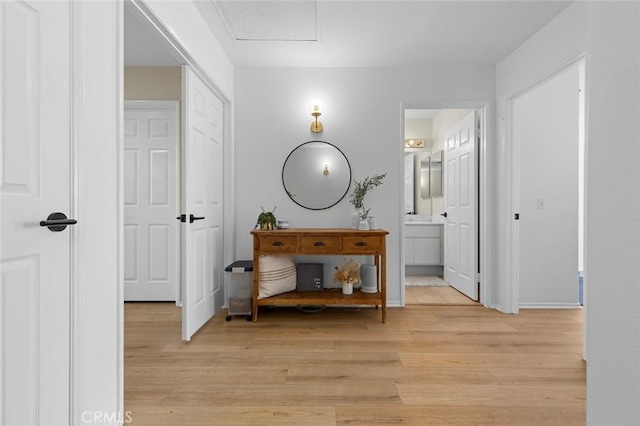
<point>428,365</point>
<point>435,296</point>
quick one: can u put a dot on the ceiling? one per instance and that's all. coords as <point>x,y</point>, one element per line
<point>360,33</point>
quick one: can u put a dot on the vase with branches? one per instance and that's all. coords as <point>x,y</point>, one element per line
<point>360,189</point>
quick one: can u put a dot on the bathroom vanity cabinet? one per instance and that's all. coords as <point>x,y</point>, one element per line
<point>423,244</point>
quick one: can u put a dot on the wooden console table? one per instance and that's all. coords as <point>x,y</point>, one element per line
<point>322,241</point>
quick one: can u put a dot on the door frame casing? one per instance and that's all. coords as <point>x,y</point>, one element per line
<point>96,364</point>
<point>485,152</point>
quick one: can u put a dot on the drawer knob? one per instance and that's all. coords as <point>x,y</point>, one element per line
<point>361,244</point>
<point>319,244</point>
<point>277,243</point>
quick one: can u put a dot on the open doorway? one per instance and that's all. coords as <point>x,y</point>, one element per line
<point>441,250</point>
<point>182,180</point>
<point>151,165</point>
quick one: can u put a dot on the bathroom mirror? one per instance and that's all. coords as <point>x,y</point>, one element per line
<point>431,176</point>
<point>424,179</point>
<point>316,175</point>
<point>435,174</point>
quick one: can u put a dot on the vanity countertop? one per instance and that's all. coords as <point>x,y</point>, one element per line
<point>424,223</point>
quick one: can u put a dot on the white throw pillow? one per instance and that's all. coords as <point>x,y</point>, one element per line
<point>277,274</point>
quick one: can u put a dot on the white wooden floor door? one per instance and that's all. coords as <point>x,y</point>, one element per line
<point>460,198</point>
<point>151,245</point>
<point>34,182</point>
<point>202,156</point>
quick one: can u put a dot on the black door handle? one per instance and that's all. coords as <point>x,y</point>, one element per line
<point>193,218</point>
<point>443,214</point>
<point>57,222</point>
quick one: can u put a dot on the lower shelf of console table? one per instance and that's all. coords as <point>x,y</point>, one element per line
<point>328,296</point>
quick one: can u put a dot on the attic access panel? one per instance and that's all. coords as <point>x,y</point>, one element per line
<point>270,20</point>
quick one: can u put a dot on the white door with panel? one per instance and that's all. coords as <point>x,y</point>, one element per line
<point>151,241</point>
<point>34,182</point>
<point>202,157</point>
<point>460,198</point>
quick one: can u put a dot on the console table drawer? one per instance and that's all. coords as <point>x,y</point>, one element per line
<point>361,244</point>
<point>277,244</point>
<point>319,244</point>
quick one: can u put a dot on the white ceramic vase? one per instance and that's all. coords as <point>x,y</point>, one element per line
<point>373,223</point>
<point>369,279</point>
<point>355,220</point>
<point>347,288</point>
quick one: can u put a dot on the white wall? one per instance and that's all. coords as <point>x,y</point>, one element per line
<point>152,84</point>
<point>561,41</point>
<point>613,214</point>
<point>363,117</point>
<point>419,128</point>
<point>546,127</point>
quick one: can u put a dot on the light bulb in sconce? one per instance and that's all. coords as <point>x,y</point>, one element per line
<point>414,143</point>
<point>325,171</point>
<point>316,126</point>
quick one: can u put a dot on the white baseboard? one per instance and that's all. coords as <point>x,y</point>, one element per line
<point>550,305</point>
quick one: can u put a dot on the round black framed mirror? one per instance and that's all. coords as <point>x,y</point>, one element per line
<point>316,175</point>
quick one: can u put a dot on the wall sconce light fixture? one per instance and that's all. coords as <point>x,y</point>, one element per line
<point>326,170</point>
<point>316,126</point>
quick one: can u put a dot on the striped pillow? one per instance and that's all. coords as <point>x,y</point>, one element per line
<point>277,275</point>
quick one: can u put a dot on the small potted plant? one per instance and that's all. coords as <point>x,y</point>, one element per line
<point>348,274</point>
<point>360,189</point>
<point>266,220</point>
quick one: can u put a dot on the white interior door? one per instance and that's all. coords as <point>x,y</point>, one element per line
<point>546,133</point>
<point>151,250</point>
<point>34,182</point>
<point>460,198</point>
<point>202,156</point>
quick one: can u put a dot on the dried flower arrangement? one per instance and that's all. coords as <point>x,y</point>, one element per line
<point>348,272</point>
